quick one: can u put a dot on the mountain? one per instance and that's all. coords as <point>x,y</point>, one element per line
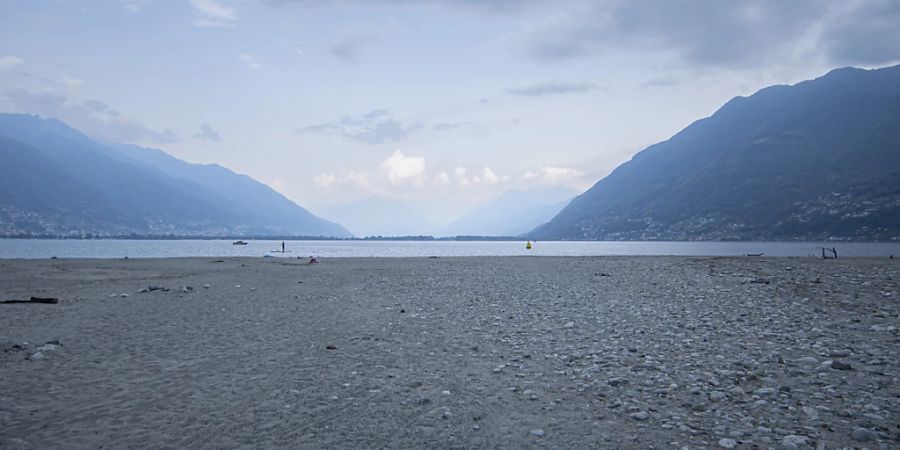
<point>815,160</point>
<point>55,180</point>
<point>513,213</point>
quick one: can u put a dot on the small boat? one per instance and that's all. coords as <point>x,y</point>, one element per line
<point>755,254</point>
<point>239,243</point>
<point>528,246</point>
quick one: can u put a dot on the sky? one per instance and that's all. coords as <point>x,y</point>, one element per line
<point>437,106</point>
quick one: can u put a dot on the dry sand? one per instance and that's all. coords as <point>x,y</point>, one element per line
<point>614,352</point>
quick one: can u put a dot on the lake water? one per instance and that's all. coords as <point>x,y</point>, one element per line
<point>45,248</point>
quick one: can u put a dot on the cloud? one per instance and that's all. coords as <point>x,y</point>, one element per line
<point>71,82</point>
<point>8,62</point>
<point>348,48</point>
<point>551,88</point>
<point>375,127</point>
<point>325,180</point>
<point>250,61</point>
<point>489,176</point>
<point>559,175</point>
<point>90,116</point>
<point>207,132</point>
<point>497,6</point>
<point>401,168</point>
<point>133,5</point>
<point>726,34</point>
<point>869,34</point>
<point>441,179</point>
<point>659,82</point>
<point>212,13</point>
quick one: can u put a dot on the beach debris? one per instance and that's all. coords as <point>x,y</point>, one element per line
<point>217,261</point>
<point>44,300</point>
<point>537,432</point>
<point>187,289</point>
<point>331,347</point>
<point>207,286</point>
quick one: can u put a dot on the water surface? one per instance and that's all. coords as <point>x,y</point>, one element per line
<point>45,248</point>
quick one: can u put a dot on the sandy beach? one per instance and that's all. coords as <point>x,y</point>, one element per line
<point>490,352</point>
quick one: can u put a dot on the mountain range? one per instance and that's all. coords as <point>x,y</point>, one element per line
<point>55,180</point>
<point>514,213</point>
<point>816,160</point>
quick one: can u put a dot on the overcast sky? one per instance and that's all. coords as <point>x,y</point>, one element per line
<point>442,102</point>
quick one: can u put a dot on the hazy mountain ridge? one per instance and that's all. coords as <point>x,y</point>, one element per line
<point>815,160</point>
<point>514,213</point>
<point>59,181</point>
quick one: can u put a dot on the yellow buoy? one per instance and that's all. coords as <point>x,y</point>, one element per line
<point>528,246</point>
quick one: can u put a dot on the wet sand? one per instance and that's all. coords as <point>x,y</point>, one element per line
<point>494,352</point>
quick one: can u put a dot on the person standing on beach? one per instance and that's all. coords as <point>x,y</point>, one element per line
<point>282,246</point>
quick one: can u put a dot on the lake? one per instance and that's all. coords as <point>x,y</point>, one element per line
<point>46,248</point>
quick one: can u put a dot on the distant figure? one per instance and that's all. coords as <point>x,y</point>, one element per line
<point>313,260</point>
<point>892,256</point>
<point>282,246</point>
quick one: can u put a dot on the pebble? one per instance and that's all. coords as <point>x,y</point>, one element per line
<point>640,415</point>
<point>840,365</point>
<point>537,432</point>
<point>860,434</point>
<point>727,443</point>
<point>765,391</point>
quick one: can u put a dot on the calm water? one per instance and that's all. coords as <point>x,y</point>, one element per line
<point>45,248</point>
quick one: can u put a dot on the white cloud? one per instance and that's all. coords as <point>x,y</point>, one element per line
<point>558,174</point>
<point>212,13</point>
<point>489,176</point>
<point>401,168</point>
<point>250,61</point>
<point>460,172</point>
<point>8,62</point>
<point>134,5</point>
<point>71,82</point>
<point>325,180</point>
<point>441,179</point>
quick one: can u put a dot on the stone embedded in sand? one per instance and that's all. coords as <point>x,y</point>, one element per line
<point>717,396</point>
<point>331,347</point>
<point>793,440</point>
<point>207,286</point>
<point>727,443</point>
<point>640,415</point>
<point>537,432</point>
<point>617,382</point>
<point>807,361</point>
<point>860,434</point>
<point>840,365</point>
<point>765,391</point>
<point>569,324</point>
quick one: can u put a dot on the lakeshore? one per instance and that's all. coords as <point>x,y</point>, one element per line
<point>486,352</point>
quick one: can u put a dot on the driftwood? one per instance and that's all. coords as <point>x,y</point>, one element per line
<point>47,300</point>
